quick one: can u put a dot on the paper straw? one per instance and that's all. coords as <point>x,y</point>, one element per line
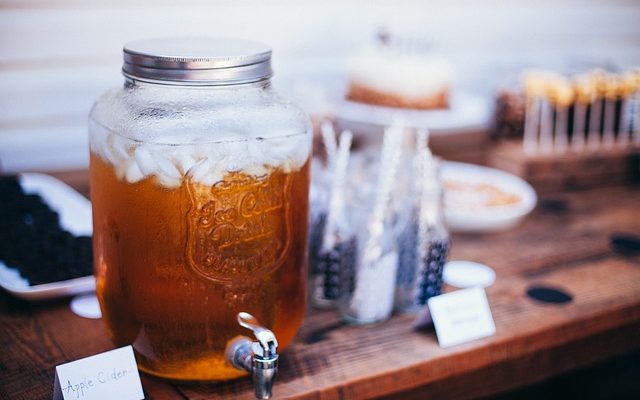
<point>425,217</point>
<point>608,137</point>
<point>335,211</point>
<point>546,138</point>
<point>389,160</point>
<point>388,165</point>
<point>329,140</point>
<point>579,116</point>
<point>593,139</point>
<point>428,182</point>
<point>623,125</point>
<point>560,128</point>
<point>636,120</point>
<point>428,211</point>
<point>422,151</point>
<point>422,141</point>
<point>531,123</point>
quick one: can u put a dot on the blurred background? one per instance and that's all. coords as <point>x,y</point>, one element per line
<point>58,56</point>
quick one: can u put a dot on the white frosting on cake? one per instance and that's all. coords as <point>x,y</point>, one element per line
<point>409,74</point>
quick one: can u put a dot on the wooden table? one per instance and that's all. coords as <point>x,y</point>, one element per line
<point>564,243</point>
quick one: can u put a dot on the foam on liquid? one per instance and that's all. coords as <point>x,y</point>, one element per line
<point>204,163</point>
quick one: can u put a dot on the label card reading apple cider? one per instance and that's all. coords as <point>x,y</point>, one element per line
<point>105,376</point>
<point>461,316</point>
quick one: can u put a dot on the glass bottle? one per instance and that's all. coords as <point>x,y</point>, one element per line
<point>424,244</point>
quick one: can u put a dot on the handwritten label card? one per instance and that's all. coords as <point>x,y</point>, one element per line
<point>106,376</point>
<point>461,316</point>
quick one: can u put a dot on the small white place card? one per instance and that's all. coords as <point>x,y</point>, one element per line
<point>105,376</point>
<point>461,316</point>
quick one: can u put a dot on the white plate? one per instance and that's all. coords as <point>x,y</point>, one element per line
<point>466,111</point>
<point>468,214</point>
<point>75,216</point>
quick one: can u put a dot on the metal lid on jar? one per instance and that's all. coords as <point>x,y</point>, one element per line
<point>197,61</point>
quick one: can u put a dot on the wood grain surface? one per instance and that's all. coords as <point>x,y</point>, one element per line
<point>564,243</point>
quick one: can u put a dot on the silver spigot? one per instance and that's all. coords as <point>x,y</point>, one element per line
<point>260,358</point>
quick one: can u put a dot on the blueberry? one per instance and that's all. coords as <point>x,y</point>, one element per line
<point>431,271</point>
<point>32,240</point>
<point>334,267</point>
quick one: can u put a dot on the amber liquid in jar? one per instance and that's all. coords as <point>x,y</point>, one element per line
<point>175,264</point>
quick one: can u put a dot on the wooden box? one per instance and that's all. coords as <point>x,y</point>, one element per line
<point>571,170</point>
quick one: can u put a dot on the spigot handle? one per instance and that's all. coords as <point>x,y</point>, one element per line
<point>259,358</point>
<point>266,339</point>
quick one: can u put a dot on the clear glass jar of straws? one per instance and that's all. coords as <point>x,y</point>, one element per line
<point>380,240</point>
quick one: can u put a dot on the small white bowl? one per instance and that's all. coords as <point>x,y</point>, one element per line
<point>468,213</point>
